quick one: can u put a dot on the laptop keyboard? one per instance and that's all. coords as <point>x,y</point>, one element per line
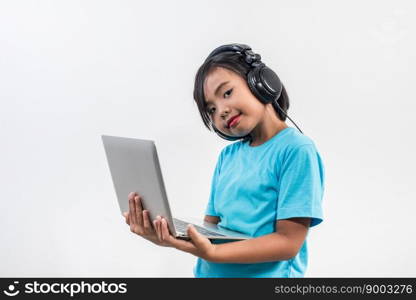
<point>182,227</point>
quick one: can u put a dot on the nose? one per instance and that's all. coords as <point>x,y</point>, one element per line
<point>224,113</point>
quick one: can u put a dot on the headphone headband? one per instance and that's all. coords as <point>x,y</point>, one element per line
<point>249,56</point>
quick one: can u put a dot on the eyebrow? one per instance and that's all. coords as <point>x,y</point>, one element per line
<point>218,89</point>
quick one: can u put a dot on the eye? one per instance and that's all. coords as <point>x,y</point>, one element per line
<point>210,111</point>
<point>226,95</point>
<point>230,90</point>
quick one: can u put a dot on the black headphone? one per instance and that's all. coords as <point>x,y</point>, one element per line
<point>262,81</point>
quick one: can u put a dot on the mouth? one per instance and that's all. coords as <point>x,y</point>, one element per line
<point>233,121</point>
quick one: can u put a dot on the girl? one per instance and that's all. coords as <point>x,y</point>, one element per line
<point>268,184</point>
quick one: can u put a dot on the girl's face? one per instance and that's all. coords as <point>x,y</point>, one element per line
<point>227,95</point>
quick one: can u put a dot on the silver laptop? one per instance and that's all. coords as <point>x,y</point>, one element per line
<point>134,167</point>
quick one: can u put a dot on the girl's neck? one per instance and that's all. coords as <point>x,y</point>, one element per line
<point>268,128</point>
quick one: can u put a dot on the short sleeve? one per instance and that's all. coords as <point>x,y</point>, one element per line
<point>210,209</point>
<point>301,185</point>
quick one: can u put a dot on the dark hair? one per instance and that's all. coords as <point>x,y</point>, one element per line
<point>235,62</point>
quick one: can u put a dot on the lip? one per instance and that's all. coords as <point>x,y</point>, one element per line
<point>233,121</point>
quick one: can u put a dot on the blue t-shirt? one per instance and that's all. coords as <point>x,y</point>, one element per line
<point>254,186</point>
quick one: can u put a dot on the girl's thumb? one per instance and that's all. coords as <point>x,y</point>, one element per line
<point>193,233</point>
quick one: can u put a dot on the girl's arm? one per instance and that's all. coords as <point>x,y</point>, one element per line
<point>280,245</point>
<point>212,219</point>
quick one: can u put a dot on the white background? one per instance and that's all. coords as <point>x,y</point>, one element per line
<point>73,70</point>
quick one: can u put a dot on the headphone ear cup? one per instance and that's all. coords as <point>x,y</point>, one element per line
<point>253,84</point>
<point>264,83</point>
<point>224,136</point>
<point>271,82</point>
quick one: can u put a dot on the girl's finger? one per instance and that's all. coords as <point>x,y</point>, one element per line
<point>179,244</point>
<point>132,212</point>
<point>165,230</point>
<point>156,229</point>
<point>139,211</point>
<point>126,215</point>
<point>146,221</point>
<point>159,228</point>
<point>164,227</point>
<point>155,226</point>
<point>167,237</point>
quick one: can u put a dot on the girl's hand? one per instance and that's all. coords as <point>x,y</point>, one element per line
<point>139,220</point>
<point>199,245</point>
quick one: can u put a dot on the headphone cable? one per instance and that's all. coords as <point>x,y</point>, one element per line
<point>287,116</point>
